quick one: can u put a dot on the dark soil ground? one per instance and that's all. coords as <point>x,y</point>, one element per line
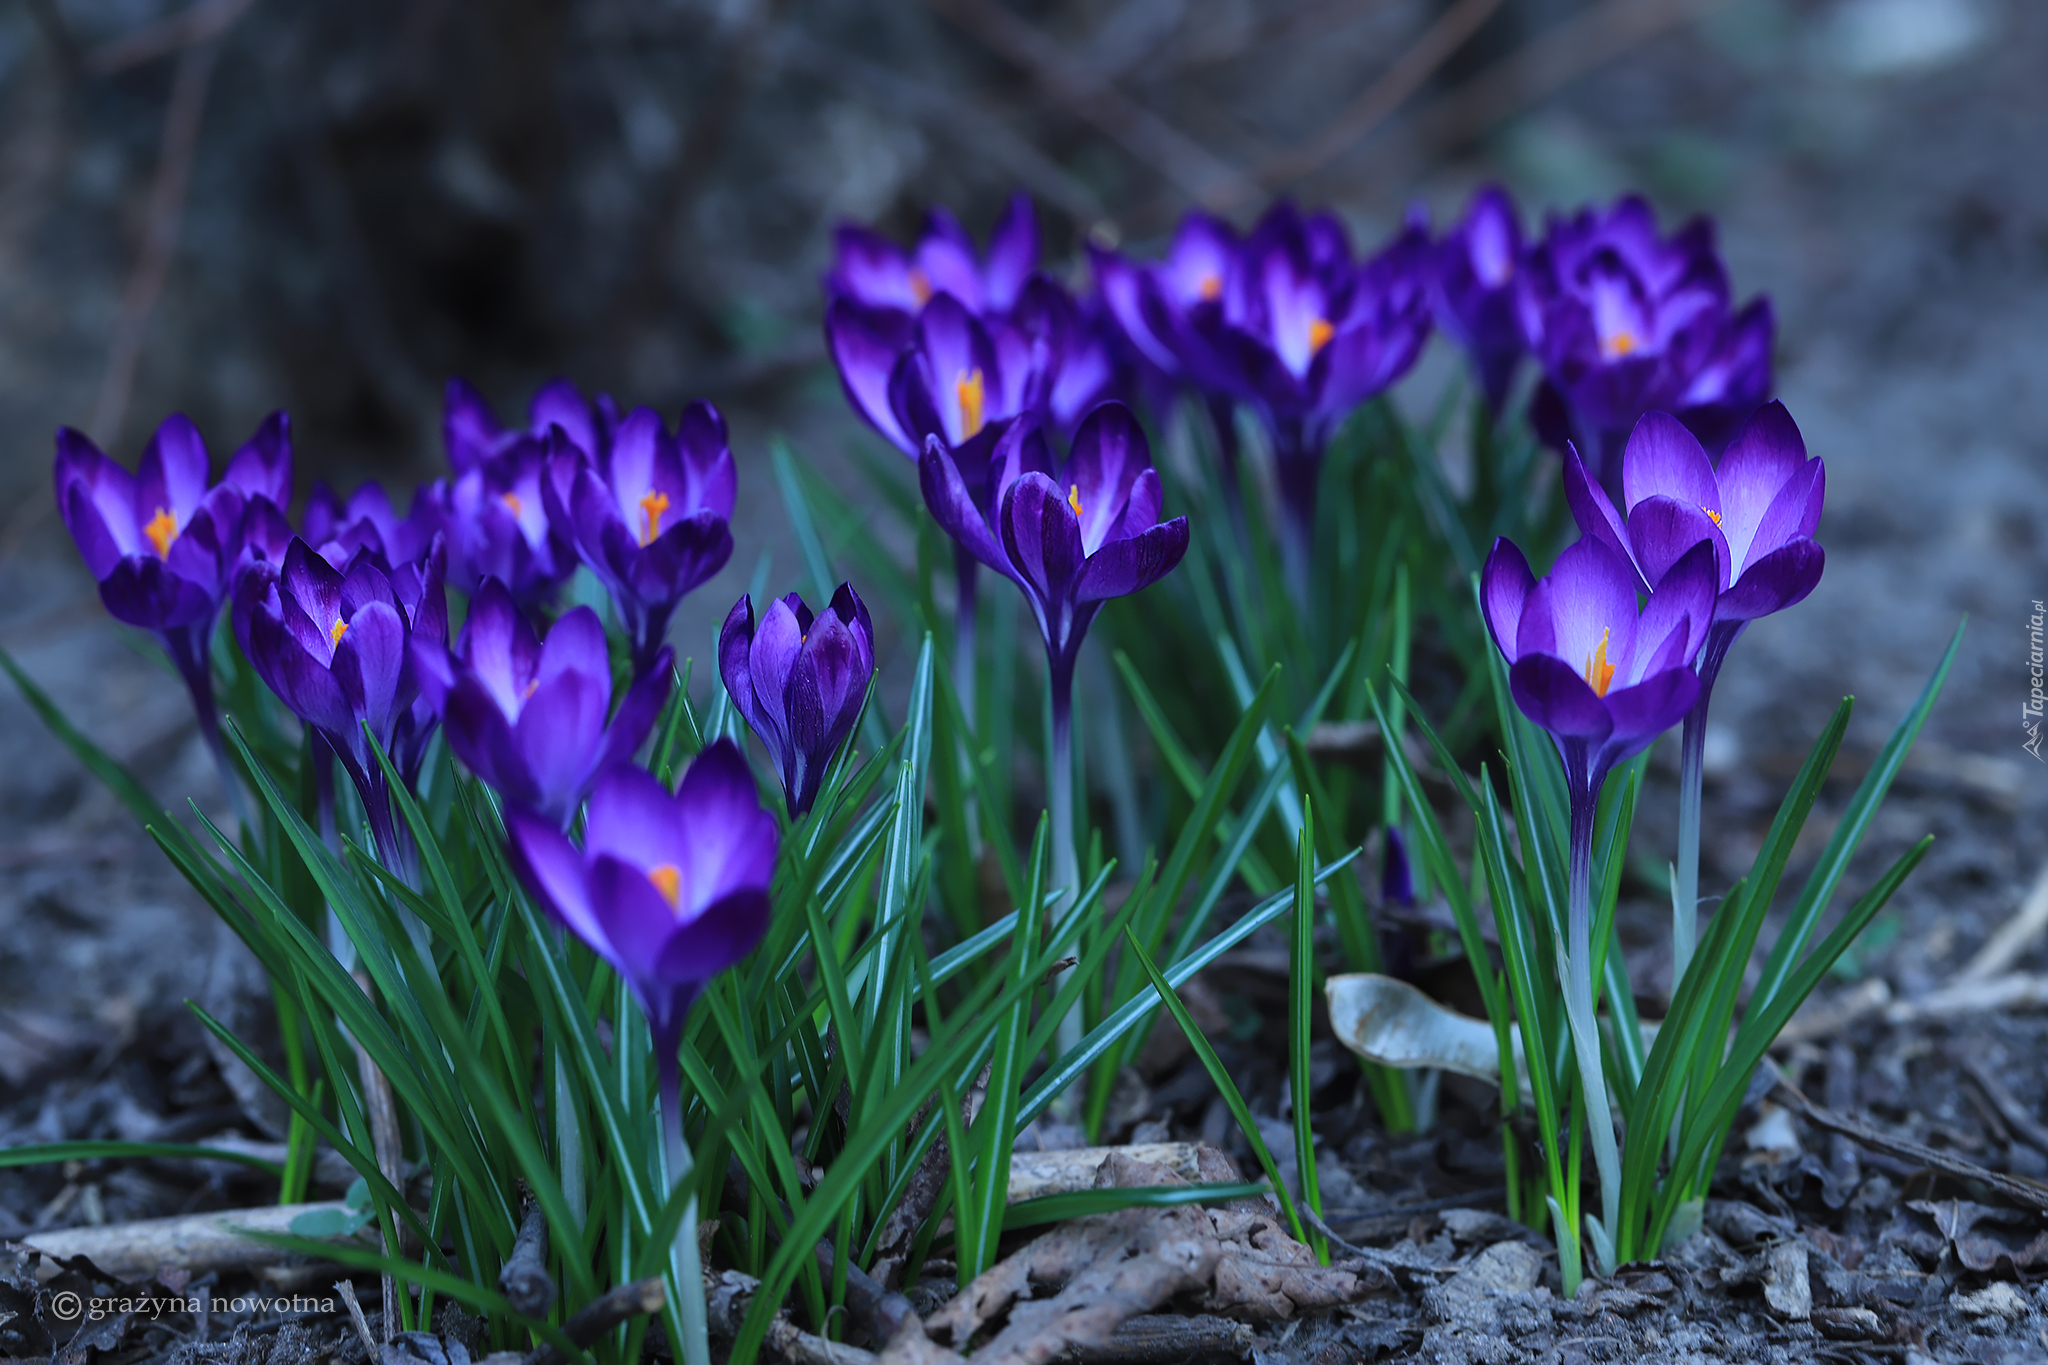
<point>1899,222</point>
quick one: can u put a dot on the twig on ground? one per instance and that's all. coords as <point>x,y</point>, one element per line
<point>726,1296</point>
<point>2024,1125</point>
<point>197,1242</point>
<point>2012,938</point>
<point>525,1281</point>
<point>165,216</point>
<point>879,1311</point>
<point>603,1313</point>
<point>2024,1192</point>
<point>355,1315</point>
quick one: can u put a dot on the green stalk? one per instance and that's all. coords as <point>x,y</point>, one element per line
<point>1300,992</point>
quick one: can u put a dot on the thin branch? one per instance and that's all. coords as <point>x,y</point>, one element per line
<point>166,215</point>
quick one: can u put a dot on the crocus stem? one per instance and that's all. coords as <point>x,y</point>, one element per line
<point>966,572</point>
<point>191,650</point>
<point>1685,886</point>
<point>1298,525</point>
<point>677,1167</point>
<point>1575,970</point>
<point>1223,417</point>
<point>1066,866</point>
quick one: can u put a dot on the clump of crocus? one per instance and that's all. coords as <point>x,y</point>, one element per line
<point>668,890</point>
<point>496,522</point>
<point>1072,538</point>
<point>1604,676</point>
<point>1624,322</point>
<point>335,645</point>
<point>650,515</point>
<point>1304,332</point>
<point>1477,265</point>
<point>1759,511</point>
<point>800,681</point>
<point>164,542</point>
<point>534,719</point>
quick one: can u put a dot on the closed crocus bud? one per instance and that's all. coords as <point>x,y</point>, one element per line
<point>1602,675</point>
<point>668,890</point>
<point>650,516</point>
<point>1625,321</point>
<point>534,719</point>
<point>1476,265</point>
<point>800,681</point>
<point>335,645</point>
<point>164,542</point>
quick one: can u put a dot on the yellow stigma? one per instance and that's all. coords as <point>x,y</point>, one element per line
<point>651,508</point>
<point>337,630</point>
<point>162,530</point>
<point>1619,345</point>
<point>972,392</point>
<point>511,500</point>
<point>1712,513</point>
<point>1319,333</point>
<point>1211,288</point>
<point>920,286</point>
<point>1074,497</point>
<point>1599,673</point>
<point>668,880</point>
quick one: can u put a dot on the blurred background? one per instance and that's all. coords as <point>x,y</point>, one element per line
<point>231,206</point>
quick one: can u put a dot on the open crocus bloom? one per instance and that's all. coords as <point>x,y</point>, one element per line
<point>1624,322</point>
<point>650,516</point>
<point>335,646</point>
<point>1150,302</point>
<point>164,542</point>
<point>1071,538</point>
<point>872,271</point>
<point>1759,510</point>
<point>1476,265</point>
<point>495,518</point>
<point>1604,678</point>
<point>800,681</point>
<point>669,890</point>
<point>941,375</point>
<point>532,719</point>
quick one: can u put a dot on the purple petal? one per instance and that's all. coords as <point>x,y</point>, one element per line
<point>946,495</point>
<point>871,270</point>
<point>1674,621</point>
<point>946,259</point>
<point>1647,710</point>
<point>369,661</point>
<point>561,404</point>
<point>1133,564</point>
<point>719,937</point>
<point>141,590</point>
<point>1110,452</point>
<point>262,468</point>
<point>1504,588</point>
<point>864,346</point>
<point>631,469</point>
<point>311,582</point>
<point>771,660</point>
<point>707,459</point>
<point>1043,539</point>
<point>1778,580</point>
<point>480,734</point>
<point>633,818</point>
<point>575,645</point>
<point>1012,253</point>
<point>558,877</point>
<point>468,429</point>
<point>1663,457</point>
<point>731,841</point>
<point>1663,530</point>
<point>1592,596</point>
<point>560,735</point>
<point>735,645</point>
<point>173,471</point>
<point>1594,511</point>
<point>636,918</point>
<point>1551,693</point>
<point>638,711</point>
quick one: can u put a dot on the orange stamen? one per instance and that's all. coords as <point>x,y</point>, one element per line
<point>920,286</point>
<point>511,500</point>
<point>1599,673</point>
<point>1319,333</point>
<point>668,880</point>
<point>1074,497</point>
<point>1619,345</point>
<point>337,630</point>
<point>972,391</point>
<point>162,530</point>
<point>1712,513</point>
<point>651,508</point>
<point>1211,288</point>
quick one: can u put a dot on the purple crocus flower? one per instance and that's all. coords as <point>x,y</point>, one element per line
<point>1477,263</point>
<point>1759,511</point>
<point>1305,333</point>
<point>366,521</point>
<point>164,542</point>
<point>530,718</point>
<point>1624,322</point>
<point>668,890</point>
<point>800,682</point>
<point>650,515</point>
<point>495,518</point>
<point>1605,677</point>
<point>335,645</point>
<point>870,270</point>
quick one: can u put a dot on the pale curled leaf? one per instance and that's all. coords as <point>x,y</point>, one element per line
<point>1394,1024</point>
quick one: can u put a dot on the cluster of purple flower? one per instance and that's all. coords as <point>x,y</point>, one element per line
<point>346,619</point>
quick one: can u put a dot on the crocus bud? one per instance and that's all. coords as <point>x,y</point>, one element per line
<point>800,681</point>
